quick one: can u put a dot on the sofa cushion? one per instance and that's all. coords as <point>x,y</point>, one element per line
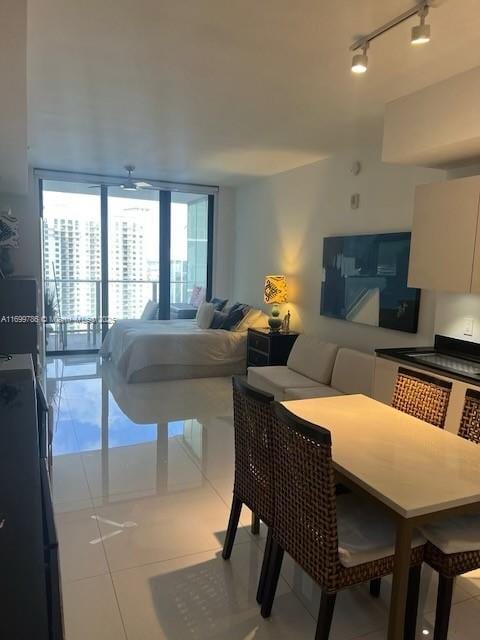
<point>320,391</point>
<point>353,371</point>
<point>454,534</point>
<point>365,532</point>
<point>312,358</point>
<point>275,380</point>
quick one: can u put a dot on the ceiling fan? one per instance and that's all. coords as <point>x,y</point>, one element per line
<point>129,184</point>
<point>132,185</point>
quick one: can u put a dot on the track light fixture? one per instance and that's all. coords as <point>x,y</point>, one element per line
<point>420,34</point>
<point>360,60</point>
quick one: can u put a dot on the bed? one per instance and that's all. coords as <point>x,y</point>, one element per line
<point>152,350</point>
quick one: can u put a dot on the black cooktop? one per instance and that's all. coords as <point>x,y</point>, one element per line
<point>456,358</point>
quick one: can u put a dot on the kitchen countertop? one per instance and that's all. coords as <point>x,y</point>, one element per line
<point>407,355</point>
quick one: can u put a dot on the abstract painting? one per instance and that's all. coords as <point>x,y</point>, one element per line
<point>365,280</point>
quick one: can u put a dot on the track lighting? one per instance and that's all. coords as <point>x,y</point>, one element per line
<point>360,60</point>
<point>420,34</point>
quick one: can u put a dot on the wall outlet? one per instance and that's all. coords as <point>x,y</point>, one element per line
<point>355,201</point>
<point>468,326</point>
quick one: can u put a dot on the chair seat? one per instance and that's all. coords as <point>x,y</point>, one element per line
<point>455,534</point>
<point>365,532</point>
<point>276,379</point>
<point>320,391</point>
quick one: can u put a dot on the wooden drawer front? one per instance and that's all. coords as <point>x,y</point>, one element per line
<point>258,342</point>
<point>257,358</point>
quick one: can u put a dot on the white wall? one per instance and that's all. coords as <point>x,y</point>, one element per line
<point>437,125</point>
<point>13,109</point>
<point>280,223</point>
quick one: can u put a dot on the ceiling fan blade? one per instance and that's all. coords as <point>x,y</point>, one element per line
<point>144,185</point>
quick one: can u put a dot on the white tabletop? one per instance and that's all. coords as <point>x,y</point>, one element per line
<point>409,465</point>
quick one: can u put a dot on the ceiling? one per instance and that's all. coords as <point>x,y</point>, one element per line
<point>219,92</point>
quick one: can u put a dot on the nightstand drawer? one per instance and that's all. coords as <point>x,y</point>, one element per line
<point>258,342</point>
<point>257,358</point>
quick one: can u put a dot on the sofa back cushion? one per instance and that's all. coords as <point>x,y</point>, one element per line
<point>313,358</point>
<point>353,372</point>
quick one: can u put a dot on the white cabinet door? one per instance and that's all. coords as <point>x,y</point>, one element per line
<point>444,235</point>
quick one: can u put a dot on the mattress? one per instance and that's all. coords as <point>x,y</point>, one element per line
<point>167,349</point>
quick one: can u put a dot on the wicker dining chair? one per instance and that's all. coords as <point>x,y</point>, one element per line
<point>422,396</point>
<point>253,483</point>
<point>323,532</point>
<point>453,544</point>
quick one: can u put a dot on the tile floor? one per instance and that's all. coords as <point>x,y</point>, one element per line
<point>142,482</point>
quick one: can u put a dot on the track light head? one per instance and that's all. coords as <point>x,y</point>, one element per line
<point>421,32</point>
<point>360,61</point>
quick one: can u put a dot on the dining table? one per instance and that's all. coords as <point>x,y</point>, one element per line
<point>416,471</point>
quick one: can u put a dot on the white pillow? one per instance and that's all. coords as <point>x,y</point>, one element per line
<point>254,318</point>
<point>150,311</point>
<point>205,315</point>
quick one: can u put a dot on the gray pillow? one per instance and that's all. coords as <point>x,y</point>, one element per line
<point>235,316</point>
<point>219,303</point>
<point>219,318</point>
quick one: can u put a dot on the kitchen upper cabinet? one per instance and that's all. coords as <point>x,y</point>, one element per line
<point>445,249</point>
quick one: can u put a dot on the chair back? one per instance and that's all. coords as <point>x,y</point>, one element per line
<point>305,516</point>
<point>422,396</point>
<point>470,422</point>
<point>252,419</point>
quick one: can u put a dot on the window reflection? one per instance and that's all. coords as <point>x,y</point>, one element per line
<point>120,456</point>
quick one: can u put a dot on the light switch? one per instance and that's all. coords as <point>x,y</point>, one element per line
<point>468,326</point>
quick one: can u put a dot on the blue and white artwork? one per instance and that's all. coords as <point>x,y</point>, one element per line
<point>365,280</point>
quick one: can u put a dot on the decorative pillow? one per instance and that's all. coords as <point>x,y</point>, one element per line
<point>198,296</point>
<point>236,314</point>
<point>219,303</point>
<point>254,318</point>
<point>205,315</point>
<point>150,312</point>
<point>219,318</point>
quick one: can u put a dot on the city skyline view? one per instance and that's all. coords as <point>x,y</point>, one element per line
<point>73,250</point>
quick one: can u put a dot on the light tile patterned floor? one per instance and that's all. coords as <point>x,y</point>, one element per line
<point>142,486</point>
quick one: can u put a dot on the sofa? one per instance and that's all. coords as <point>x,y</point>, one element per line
<point>316,369</point>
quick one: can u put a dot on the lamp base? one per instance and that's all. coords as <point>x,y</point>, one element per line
<point>275,322</point>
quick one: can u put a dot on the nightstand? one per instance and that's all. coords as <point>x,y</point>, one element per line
<point>266,348</point>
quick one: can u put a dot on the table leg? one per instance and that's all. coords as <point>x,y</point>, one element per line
<point>401,569</point>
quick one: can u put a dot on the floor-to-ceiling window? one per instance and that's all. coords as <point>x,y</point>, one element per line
<point>72,265</point>
<point>109,251</point>
<point>189,246</point>
<point>133,252</point>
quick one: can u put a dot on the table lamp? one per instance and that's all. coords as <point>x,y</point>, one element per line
<point>275,293</point>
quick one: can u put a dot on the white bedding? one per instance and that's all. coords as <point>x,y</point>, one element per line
<point>133,345</point>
